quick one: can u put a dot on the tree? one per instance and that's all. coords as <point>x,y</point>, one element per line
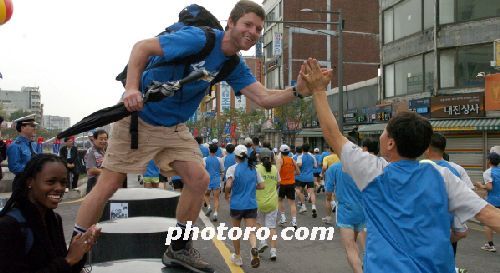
<point>291,118</point>
<point>19,113</point>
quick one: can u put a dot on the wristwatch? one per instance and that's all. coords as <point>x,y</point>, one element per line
<point>296,93</point>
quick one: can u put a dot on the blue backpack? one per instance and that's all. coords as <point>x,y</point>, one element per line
<point>25,230</point>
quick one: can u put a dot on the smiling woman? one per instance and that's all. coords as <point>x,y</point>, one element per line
<point>31,235</point>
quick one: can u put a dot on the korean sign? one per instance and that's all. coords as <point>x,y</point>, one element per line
<point>458,106</point>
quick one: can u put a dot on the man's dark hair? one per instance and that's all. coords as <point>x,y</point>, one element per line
<point>99,132</point>
<point>305,147</point>
<point>68,138</point>
<point>411,132</point>
<point>230,148</point>
<point>213,148</point>
<point>298,149</point>
<point>371,145</point>
<point>199,139</point>
<point>438,143</point>
<point>267,144</point>
<point>255,141</point>
<point>245,6</point>
<point>494,158</point>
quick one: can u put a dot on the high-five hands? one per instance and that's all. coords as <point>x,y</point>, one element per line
<point>315,77</point>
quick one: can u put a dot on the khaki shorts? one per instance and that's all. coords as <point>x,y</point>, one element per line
<point>162,144</point>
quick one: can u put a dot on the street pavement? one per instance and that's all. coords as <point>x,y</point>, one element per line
<point>304,256</point>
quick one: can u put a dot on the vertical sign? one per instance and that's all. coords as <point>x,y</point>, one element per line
<point>240,103</point>
<point>277,44</point>
<point>496,44</point>
<point>225,96</point>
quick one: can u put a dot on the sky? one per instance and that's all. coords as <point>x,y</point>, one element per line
<point>74,49</point>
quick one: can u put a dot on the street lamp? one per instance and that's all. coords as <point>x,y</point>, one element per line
<point>340,64</point>
<point>340,72</point>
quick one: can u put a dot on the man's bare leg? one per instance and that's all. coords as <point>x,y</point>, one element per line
<point>92,206</point>
<point>351,249</point>
<point>196,180</point>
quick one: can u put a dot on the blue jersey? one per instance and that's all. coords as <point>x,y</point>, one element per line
<point>204,151</point>
<point>214,168</point>
<point>446,164</point>
<point>180,107</point>
<point>218,153</point>
<point>243,195</point>
<point>407,206</point>
<point>494,177</point>
<point>152,170</point>
<point>229,160</point>
<point>19,153</point>
<point>319,160</point>
<point>306,169</point>
<point>348,195</point>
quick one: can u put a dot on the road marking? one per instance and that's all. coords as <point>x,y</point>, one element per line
<point>74,201</point>
<point>224,251</point>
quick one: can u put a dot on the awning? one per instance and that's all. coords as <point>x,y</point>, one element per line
<point>372,128</point>
<point>482,124</point>
<point>310,133</point>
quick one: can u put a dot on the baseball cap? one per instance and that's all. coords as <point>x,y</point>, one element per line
<point>275,150</point>
<point>316,150</point>
<point>240,150</point>
<point>215,141</point>
<point>284,148</point>
<point>265,152</point>
<point>248,140</point>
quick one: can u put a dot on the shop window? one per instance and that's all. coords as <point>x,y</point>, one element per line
<point>468,10</point>
<point>409,76</point>
<point>429,15</point>
<point>389,81</point>
<point>429,72</point>
<point>388,26</point>
<point>446,11</point>
<point>407,18</point>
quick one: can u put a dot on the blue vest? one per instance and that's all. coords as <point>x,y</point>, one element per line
<point>243,194</point>
<point>212,165</point>
<point>229,161</point>
<point>204,151</point>
<point>494,195</point>
<point>408,203</point>
<point>306,170</point>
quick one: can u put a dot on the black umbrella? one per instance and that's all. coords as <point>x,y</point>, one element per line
<point>156,92</point>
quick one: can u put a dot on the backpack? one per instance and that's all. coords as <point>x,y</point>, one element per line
<point>25,230</point>
<point>192,15</point>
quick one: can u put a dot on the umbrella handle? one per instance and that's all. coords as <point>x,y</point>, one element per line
<point>193,76</point>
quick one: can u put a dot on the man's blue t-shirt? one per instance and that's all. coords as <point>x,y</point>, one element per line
<point>179,108</point>
<point>306,169</point>
<point>243,195</point>
<point>319,161</point>
<point>204,151</point>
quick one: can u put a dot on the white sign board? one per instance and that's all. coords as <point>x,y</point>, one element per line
<point>277,44</point>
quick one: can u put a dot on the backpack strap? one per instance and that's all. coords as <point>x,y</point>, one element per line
<point>25,230</point>
<point>226,69</point>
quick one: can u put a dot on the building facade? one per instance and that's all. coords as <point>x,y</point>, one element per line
<point>55,122</point>
<point>288,40</point>
<point>437,58</point>
<point>28,100</point>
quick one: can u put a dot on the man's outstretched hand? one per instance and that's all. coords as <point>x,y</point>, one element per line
<point>315,77</point>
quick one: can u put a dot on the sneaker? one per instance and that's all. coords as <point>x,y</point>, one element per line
<point>255,262</point>
<point>327,220</point>
<point>319,189</point>
<point>262,247</point>
<point>214,217</point>
<point>272,253</point>
<point>282,222</point>
<point>209,210</point>
<point>489,248</point>
<point>236,259</point>
<point>314,213</point>
<point>294,224</point>
<point>303,209</point>
<point>187,257</point>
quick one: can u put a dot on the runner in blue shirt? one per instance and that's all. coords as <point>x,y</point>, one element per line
<point>317,171</point>
<point>214,166</point>
<point>407,203</point>
<point>219,150</point>
<point>242,182</point>
<point>305,180</point>
<point>492,184</point>
<point>204,150</point>
<point>229,160</point>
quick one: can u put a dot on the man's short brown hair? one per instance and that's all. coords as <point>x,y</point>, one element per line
<point>245,6</point>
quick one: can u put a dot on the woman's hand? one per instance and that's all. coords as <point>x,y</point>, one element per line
<point>81,244</point>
